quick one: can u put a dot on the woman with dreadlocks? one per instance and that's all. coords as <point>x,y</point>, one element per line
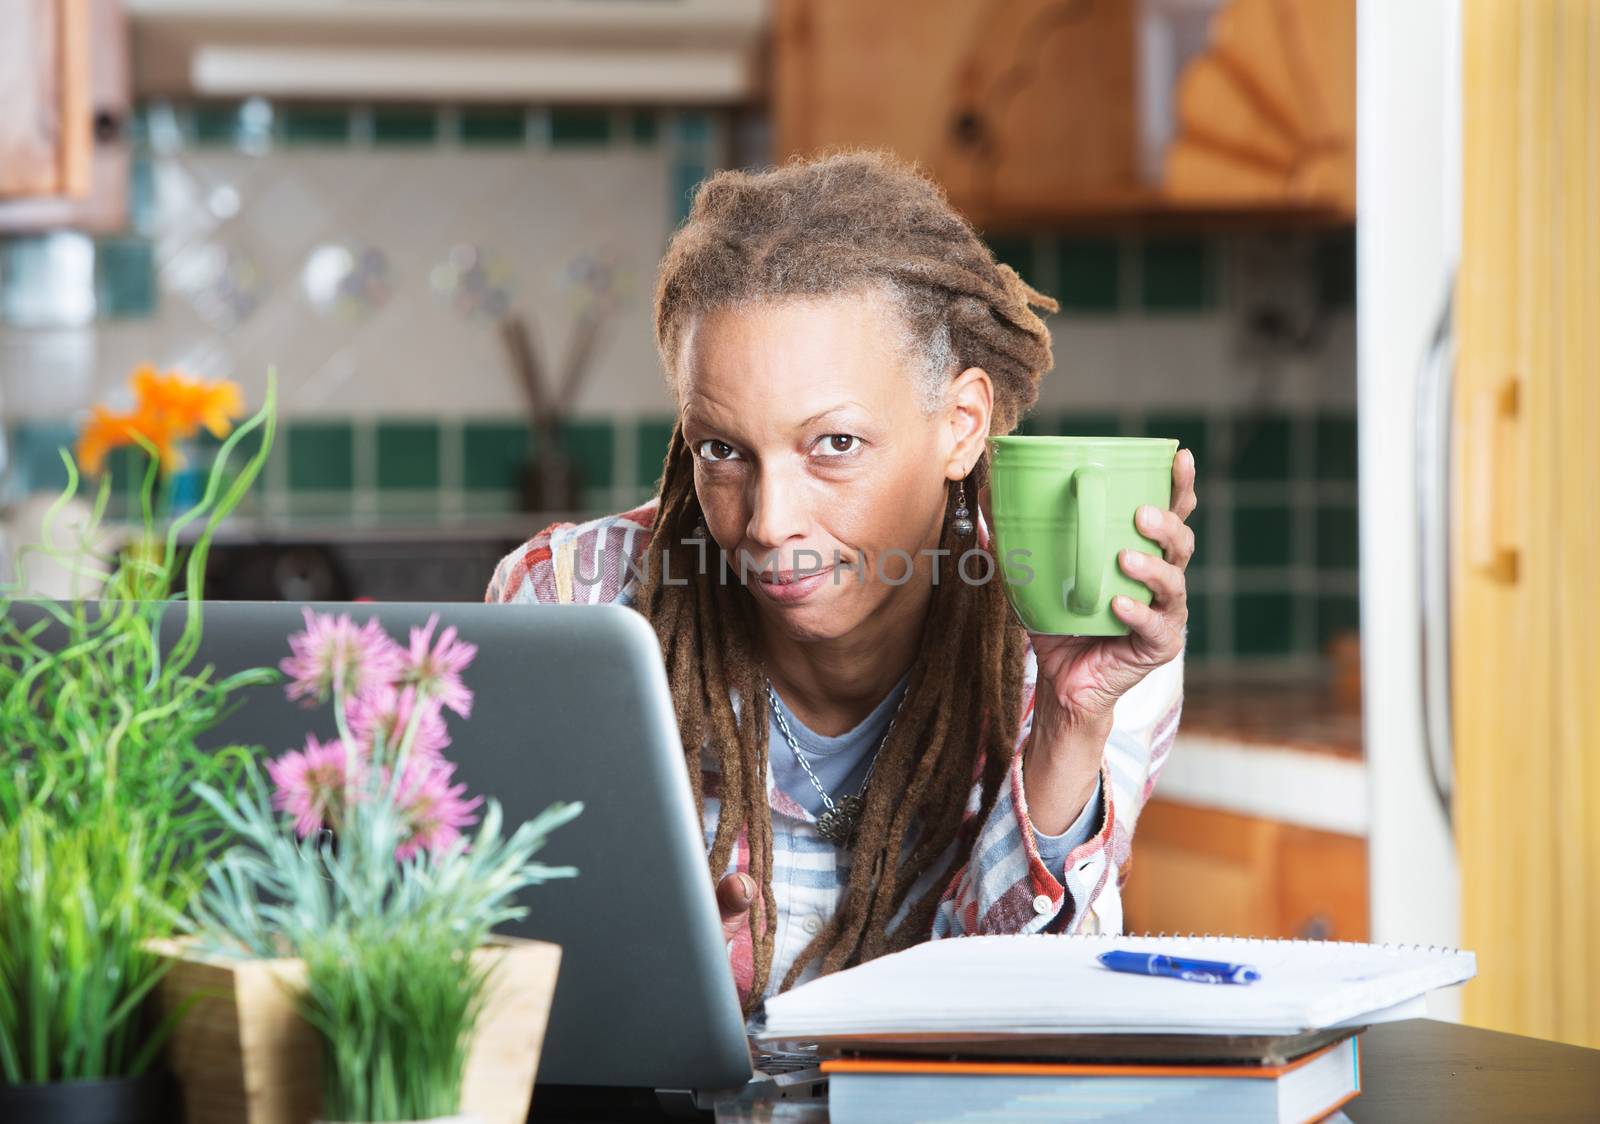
<point>873,764</point>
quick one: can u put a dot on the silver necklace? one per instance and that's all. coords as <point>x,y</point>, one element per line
<point>837,824</point>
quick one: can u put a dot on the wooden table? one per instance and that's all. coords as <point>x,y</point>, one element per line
<point>1414,1072</point>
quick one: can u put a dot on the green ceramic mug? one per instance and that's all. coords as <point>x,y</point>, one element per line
<point>1063,508</point>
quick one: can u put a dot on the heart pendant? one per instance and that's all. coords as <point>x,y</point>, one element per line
<point>838,823</point>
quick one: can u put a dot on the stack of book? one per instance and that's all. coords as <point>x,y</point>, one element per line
<point>1038,1027</point>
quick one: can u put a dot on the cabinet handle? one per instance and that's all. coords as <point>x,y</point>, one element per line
<point>1493,416</point>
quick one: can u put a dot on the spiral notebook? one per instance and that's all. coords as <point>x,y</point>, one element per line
<point>1041,987</point>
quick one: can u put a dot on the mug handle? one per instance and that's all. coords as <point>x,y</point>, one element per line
<point>1088,491</point>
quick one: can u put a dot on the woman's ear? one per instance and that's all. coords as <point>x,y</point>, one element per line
<point>968,407</point>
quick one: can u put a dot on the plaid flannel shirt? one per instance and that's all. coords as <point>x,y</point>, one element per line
<point>1004,887</point>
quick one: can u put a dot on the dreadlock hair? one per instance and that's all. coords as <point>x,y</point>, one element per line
<point>847,223</point>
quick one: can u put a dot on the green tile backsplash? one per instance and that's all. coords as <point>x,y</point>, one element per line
<point>1177,276</point>
<point>493,455</point>
<point>408,455</point>
<point>1263,536</point>
<point>1089,277</point>
<point>1274,573</point>
<point>580,126</point>
<point>1263,624</point>
<point>1275,570</point>
<point>405,124</point>
<point>493,124</point>
<point>321,456</point>
<point>1262,448</point>
<point>316,124</point>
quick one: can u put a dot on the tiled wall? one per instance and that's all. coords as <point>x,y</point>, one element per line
<point>366,252</point>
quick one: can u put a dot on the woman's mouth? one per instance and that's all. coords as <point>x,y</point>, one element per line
<point>790,586</point>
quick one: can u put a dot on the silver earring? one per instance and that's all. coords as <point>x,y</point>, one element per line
<point>962,521</point>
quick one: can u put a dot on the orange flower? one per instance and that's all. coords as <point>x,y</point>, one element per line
<point>170,408</point>
<point>186,403</point>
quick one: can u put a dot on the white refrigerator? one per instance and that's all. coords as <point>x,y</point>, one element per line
<point>1408,240</point>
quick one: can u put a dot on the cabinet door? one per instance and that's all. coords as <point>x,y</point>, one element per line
<point>1525,662</point>
<point>1204,871</point>
<point>1018,108</point>
<point>46,128</point>
<point>78,181</point>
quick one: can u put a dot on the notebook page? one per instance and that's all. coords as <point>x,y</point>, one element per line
<point>1054,985</point>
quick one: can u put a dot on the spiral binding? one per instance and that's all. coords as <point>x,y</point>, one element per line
<point>1388,946</point>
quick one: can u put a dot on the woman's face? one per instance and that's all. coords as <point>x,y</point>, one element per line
<point>816,460</point>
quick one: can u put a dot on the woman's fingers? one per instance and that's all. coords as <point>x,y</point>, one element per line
<point>1160,630</point>
<point>1166,581</point>
<point>735,893</point>
<point>1183,497</point>
<point>1168,530</point>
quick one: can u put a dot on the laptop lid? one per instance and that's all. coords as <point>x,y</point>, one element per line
<point>572,703</point>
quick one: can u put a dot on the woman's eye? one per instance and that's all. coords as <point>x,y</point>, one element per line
<point>713,450</point>
<point>839,444</point>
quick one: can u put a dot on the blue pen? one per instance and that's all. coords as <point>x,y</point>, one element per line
<point>1179,967</point>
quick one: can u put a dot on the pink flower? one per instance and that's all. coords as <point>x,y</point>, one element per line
<point>335,654</point>
<point>433,808</point>
<point>384,713</point>
<point>311,784</point>
<point>435,669</point>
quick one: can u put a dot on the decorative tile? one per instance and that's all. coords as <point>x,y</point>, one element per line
<point>1338,537</point>
<point>1335,270</point>
<point>142,195</point>
<point>651,438</point>
<point>1198,642</point>
<point>592,444</point>
<point>405,124</point>
<point>1177,276</point>
<point>36,456</point>
<point>1337,455</point>
<point>1074,424</point>
<point>1015,251</point>
<point>124,278</point>
<point>686,176</point>
<point>1261,449</point>
<point>1263,624</point>
<point>1336,612</point>
<point>408,455</point>
<point>1188,429</point>
<point>693,128</point>
<point>493,124</point>
<point>321,456</point>
<point>316,124</point>
<point>493,455</point>
<point>569,126</point>
<point>1263,536</point>
<point>1089,277</point>
<point>644,126</point>
<point>214,124</point>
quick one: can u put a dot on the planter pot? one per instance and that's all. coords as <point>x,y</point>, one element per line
<point>147,1099</point>
<point>243,1055</point>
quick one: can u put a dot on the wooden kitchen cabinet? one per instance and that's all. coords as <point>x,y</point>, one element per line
<point>66,97</point>
<point>1027,111</point>
<point>1014,108</point>
<point>1206,871</point>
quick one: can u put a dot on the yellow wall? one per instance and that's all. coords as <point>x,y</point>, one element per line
<point>1527,575</point>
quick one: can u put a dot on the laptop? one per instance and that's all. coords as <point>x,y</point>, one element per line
<point>572,703</point>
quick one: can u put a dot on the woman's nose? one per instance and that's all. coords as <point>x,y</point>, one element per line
<point>777,511</point>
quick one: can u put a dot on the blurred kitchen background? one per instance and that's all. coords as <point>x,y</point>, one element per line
<point>413,210</point>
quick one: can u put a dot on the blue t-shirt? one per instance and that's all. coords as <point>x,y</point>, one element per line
<point>841,765</point>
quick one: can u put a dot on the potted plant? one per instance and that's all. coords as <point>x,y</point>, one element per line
<point>102,842</point>
<point>355,900</point>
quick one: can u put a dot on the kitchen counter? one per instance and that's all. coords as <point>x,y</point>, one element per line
<point>1282,751</point>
